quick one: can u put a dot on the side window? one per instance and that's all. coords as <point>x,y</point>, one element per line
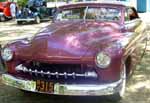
<point>131,14</point>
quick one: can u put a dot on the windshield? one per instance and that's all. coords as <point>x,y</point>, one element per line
<point>35,3</point>
<point>100,13</point>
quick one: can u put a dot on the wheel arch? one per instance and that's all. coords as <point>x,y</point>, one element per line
<point>128,63</point>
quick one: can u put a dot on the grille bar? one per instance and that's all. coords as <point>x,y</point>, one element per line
<point>90,74</point>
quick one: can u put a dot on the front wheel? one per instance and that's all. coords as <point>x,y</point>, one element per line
<point>37,20</point>
<point>19,22</point>
<point>118,96</point>
<point>2,18</point>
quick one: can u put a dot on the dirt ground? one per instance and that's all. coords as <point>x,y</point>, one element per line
<point>137,91</point>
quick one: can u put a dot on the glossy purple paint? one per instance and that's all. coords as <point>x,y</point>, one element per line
<point>73,42</point>
<point>76,42</point>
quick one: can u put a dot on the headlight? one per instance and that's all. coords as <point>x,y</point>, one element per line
<point>7,54</point>
<point>103,60</point>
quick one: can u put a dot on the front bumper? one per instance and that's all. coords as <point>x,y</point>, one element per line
<point>65,89</point>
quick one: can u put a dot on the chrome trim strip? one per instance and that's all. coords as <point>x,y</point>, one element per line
<point>28,19</point>
<point>65,89</point>
<point>22,68</point>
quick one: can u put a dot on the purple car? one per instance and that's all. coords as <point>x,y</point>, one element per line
<point>89,50</point>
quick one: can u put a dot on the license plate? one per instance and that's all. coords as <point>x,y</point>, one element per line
<point>44,86</point>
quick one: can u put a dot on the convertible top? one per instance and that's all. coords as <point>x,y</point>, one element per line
<point>95,4</point>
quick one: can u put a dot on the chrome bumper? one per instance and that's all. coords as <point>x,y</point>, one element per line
<point>64,89</point>
<point>27,20</point>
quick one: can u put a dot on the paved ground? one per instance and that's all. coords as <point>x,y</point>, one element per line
<point>138,88</point>
<point>10,30</point>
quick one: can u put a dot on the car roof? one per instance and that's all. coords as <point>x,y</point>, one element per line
<point>111,4</point>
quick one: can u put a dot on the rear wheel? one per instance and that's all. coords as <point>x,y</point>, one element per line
<point>37,20</point>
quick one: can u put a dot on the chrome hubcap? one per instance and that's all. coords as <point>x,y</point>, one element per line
<point>2,18</point>
<point>37,19</point>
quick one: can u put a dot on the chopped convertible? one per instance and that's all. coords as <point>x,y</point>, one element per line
<point>89,49</point>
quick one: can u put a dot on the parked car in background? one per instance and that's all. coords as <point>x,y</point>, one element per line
<point>36,11</point>
<point>5,12</point>
<point>89,50</point>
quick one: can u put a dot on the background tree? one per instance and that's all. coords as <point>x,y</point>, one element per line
<point>2,0</point>
<point>22,3</point>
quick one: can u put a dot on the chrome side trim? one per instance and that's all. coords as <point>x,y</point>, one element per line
<point>28,19</point>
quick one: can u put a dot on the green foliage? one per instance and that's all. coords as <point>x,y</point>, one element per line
<point>22,3</point>
<point>2,0</point>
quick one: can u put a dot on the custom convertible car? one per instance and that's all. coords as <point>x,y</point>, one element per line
<point>89,50</point>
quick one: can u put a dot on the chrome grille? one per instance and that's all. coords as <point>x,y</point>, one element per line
<point>56,70</point>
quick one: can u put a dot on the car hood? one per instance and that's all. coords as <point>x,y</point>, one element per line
<point>74,39</point>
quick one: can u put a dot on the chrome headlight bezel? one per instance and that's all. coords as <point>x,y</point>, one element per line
<point>6,54</point>
<point>103,60</point>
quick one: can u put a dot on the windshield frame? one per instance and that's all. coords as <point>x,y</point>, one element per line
<point>87,7</point>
